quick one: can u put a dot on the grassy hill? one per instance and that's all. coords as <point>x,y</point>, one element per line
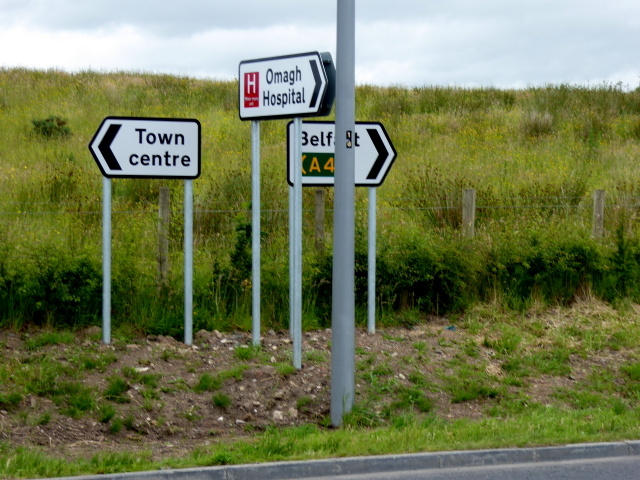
<point>536,336</point>
<point>534,157</point>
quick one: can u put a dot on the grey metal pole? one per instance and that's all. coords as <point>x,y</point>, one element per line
<point>371,263</point>
<point>255,231</point>
<point>343,301</point>
<point>297,244</point>
<point>106,260</point>
<point>291,261</point>
<point>188,262</point>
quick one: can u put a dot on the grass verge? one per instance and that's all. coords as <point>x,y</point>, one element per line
<point>538,427</point>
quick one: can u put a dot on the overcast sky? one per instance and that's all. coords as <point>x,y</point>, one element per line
<point>467,43</point>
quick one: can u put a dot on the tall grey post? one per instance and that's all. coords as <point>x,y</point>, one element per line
<point>343,301</point>
<point>106,260</point>
<point>188,262</point>
<point>255,232</point>
<point>292,229</point>
<point>371,263</point>
<point>297,245</point>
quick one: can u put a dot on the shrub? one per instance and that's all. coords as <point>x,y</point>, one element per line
<point>221,400</point>
<point>51,127</point>
<point>437,276</point>
<point>551,268</point>
<point>79,402</point>
<point>116,389</point>
<point>412,398</point>
<point>623,275</point>
<point>10,400</point>
<point>230,283</point>
<point>596,127</point>
<point>207,382</point>
<point>63,290</point>
<point>535,124</point>
<point>106,413</point>
<point>245,352</point>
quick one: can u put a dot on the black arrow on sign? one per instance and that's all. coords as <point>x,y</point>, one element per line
<point>383,153</point>
<point>105,146</point>
<point>316,77</point>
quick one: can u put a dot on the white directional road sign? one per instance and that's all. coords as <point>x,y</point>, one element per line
<point>374,153</point>
<point>287,86</point>
<point>147,147</point>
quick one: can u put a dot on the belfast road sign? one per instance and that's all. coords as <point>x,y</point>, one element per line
<point>130,147</point>
<point>284,87</point>
<point>374,154</point>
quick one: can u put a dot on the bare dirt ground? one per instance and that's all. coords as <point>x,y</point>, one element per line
<point>166,405</point>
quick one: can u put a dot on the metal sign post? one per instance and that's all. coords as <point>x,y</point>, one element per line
<point>371,263</point>
<point>106,260</point>
<point>297,251</point>
<point>255,233</point>
<point>188,262</point>
<point>133,147</point>
<point>290,86</point>
<point>374,156</point>
<point>343,297</point>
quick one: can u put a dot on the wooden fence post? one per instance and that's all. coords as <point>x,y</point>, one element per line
<point>468,212</point>
<point>163,236</point>
<point>598,214</point>
<point>319,220</point>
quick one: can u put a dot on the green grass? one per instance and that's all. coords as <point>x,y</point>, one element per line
<point>236,372</point>
<point>116,389</point>
<point>192,414</point>
<point>10,400</point>
<point>79,400</point>
<point>285,369</point>
<point>49,338</point>
<point>410,399</point>
<point>399,406</point>
<point>95,361</point>
<point>207,383</point>
<point>106,413</point>
<point>221,400</point>
<point>246,353</point>
<point>535,427</point>
<point>508,341</point>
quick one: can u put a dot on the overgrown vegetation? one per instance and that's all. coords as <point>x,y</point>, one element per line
<point>534,156</point>
<point>52,126</point>
<point>491,377</point>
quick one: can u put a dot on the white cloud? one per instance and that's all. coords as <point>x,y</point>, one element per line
<point>460,42</point>
<point>70,49</point>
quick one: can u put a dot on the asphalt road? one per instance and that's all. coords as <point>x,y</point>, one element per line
<point>593,461</point>
<point>620,468</point>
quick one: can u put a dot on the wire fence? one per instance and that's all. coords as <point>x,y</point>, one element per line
<point>385,208</point>
<point>8,208</point>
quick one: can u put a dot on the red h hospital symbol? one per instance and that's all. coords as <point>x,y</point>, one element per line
<point>251,89</point>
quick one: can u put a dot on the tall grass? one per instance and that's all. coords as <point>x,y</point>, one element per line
<point>534,156</point>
